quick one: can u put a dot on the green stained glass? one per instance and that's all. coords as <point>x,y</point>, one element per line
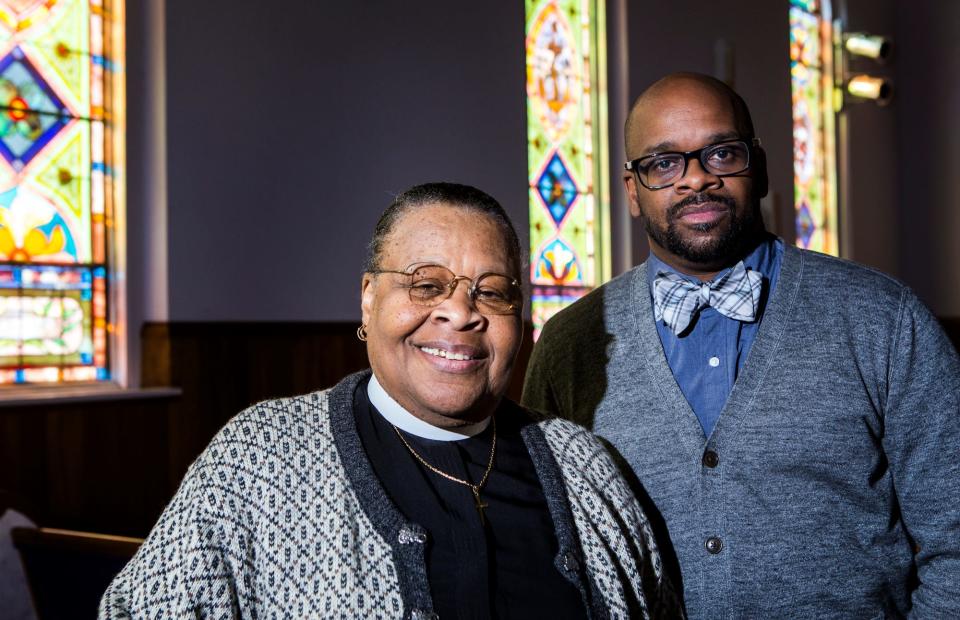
<point>814,154</point>
<point>60,134</point>
<point>810,6</point>
<point>569,253</point>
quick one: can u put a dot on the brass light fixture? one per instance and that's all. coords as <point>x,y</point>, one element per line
<point>868,45</point>
<point>864,86</point>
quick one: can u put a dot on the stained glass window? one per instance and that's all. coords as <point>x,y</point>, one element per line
<point>566,153</point>
<point>814,150</point>
<point>61,144</point>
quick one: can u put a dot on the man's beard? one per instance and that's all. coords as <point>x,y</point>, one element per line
<point>724,247</point>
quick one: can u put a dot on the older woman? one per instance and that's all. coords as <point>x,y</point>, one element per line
<point>415,490</point>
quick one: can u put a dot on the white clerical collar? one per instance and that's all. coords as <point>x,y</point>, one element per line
<point>406,421</point>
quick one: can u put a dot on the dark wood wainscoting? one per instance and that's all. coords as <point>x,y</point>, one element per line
<point>223,368</point>
<point>97,466</point>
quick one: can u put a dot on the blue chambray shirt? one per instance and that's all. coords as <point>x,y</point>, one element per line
<point>707,357</point>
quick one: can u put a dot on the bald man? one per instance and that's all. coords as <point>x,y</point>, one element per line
<point>792,419</point>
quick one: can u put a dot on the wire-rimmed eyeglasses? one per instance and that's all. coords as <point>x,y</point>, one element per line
<point>660,170</point>
<point>431,285</point>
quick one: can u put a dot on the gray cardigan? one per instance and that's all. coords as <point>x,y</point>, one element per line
<point>283,517</point>
<point>838,448</point>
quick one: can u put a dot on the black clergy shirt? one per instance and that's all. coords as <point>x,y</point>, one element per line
<point>503,569</point>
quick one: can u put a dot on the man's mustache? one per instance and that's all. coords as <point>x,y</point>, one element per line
<point>699,199</point>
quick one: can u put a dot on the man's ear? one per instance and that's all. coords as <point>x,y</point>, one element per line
<point>630,186</point>
<point>759,167</point>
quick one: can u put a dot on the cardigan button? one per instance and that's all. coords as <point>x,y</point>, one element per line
<point>710,459</point>
<point>420,614</point>
<point>714,545</point>
<point>570,562</point>
<point>410,536</point>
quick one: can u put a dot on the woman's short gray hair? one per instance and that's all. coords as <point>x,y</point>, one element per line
<point>448,194</point>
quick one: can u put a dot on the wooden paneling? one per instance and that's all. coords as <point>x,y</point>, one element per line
<point>223,368</point>
<point>97,466</point>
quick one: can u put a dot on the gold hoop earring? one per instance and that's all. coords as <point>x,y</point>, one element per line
<point>362,333</point>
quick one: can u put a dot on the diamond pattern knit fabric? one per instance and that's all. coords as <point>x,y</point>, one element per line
<point>623,554</point>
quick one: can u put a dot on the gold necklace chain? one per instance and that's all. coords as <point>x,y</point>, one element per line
<point>475,488</point>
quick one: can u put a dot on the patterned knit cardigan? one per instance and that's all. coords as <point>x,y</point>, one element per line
<point>282,517</point>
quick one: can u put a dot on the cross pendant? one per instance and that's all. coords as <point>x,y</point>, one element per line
<point>480,505</point>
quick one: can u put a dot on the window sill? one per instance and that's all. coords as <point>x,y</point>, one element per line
<point>20,396</point>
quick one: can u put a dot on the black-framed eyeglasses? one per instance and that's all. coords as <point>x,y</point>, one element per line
<point>431,285</point>
<point>660,170</point>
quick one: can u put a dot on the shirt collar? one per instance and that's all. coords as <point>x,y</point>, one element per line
<point>395,414</point>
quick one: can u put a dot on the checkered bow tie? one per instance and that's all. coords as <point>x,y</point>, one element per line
<point>677,300</point>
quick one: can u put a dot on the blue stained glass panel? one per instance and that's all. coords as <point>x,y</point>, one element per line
<point>30,113</point>
<point>557,188</point>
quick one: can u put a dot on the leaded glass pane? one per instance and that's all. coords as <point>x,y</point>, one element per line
<point>569,253</point>
<point>814,155</point>
<point>58,67</point>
